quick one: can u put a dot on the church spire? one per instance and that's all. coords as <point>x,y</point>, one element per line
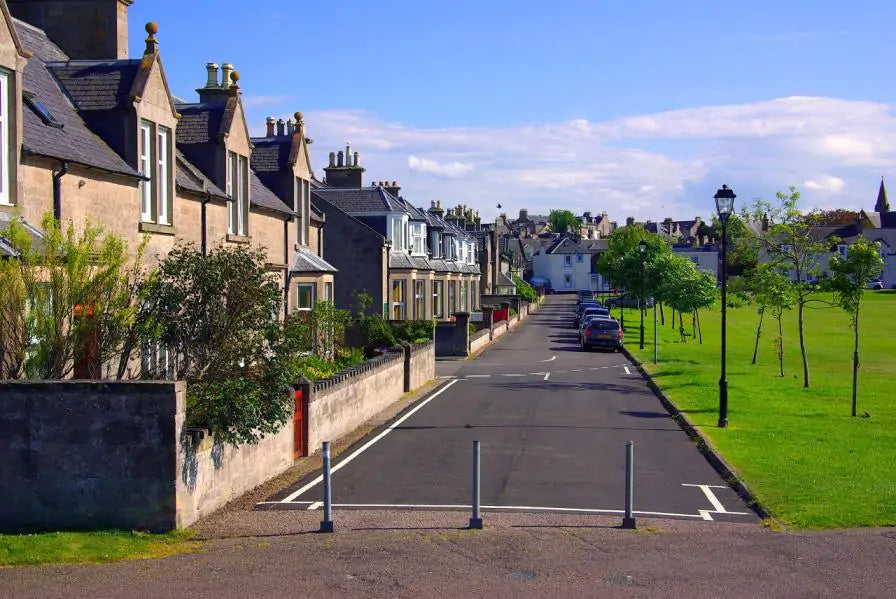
<point>882,204</point>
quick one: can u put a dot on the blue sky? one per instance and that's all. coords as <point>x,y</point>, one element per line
<point>635,108</point>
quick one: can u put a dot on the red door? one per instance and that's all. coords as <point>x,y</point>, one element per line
<point>298,427</point>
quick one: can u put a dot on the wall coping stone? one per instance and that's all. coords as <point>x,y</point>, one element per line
<point>353,372</point>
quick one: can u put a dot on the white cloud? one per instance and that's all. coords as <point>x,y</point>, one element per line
<point>647,166</point>
<point>447,169</point>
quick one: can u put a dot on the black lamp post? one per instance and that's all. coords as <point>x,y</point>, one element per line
<point>642,252</point>
<point>724,206</point>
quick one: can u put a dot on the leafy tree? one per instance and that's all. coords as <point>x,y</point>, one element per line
<point>66,300</point>
<point>794,244</point>
<point>622,262</point>
<point>837,217</point>
<point>772,291</point>
<point>524,289</point>
<point>217,316</point>
<point>564,221</point>
<point>687,289</point>
<point>742,254</point>
<point>849,276</point>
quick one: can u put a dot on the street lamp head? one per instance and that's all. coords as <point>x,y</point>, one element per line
<point>724,202</point>
<point>642,246</point>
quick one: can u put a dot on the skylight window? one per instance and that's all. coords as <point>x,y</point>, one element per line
<point>41,110</point>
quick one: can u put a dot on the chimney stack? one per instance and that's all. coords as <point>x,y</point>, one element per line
<point>269,122</point>
<point>630,221</point>
<point>280,130</point>
<point>290,127</point>
<point>346,170</point>
<point>226,70</point>
<point>357,159</point>
<point>332,159</point>
<point>212,75</point>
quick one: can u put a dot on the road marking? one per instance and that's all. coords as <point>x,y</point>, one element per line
<point>707,490</point>
<point>315,506</point>
<point>551,359</point>
<point>537,373</point>
<point>577,370</point>
<point>627,371</point>
<point>546,375</point>
<point>459,506</point>
<point>364,447</point>
<point>513,375</point>
<point>478,376</point>
<point>450,376</point>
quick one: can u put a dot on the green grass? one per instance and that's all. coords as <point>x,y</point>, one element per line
<point>801,453</point>
<point>101,546</point>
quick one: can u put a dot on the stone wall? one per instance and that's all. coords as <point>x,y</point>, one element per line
<point>479,340</point>
<point>422,364</point>
<point>339,405</point>
<point>84,455</point>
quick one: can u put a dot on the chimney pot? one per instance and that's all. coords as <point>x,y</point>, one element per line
<point>332,159</point>
<point>226,70</point>
<point>290,127</point>
<point>212,70</point>
<point>339,157</point>
<point>270,124</point>
<point>280,128</point>
<point>357,159</point>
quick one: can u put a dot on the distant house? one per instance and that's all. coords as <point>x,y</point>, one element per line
<point>568,265</point>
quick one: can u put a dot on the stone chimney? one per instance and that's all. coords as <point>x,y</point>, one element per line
<point>630,221</point>
<point>219,91</point>
<point>393,189</point>
<point>84,29</point>
<point>290,127</point>
<point>226,70</point>
<point>211,81</point>
<point>436,209</point>
<point>270,126</point>
<point>347,172</point>
<point>524,214</point>
<point>281,131</point>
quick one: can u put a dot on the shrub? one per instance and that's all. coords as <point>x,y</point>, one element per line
<point>412,330</point>
<point>525,290</point>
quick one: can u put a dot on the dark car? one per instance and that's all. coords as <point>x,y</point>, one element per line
<point>577,321</point>
<point>601,332</point>
<point>875,284</point>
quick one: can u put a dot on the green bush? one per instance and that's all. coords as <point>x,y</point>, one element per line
<point>525,290</point>
<point>412,330</point>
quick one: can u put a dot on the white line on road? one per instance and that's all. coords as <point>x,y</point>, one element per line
<point>361,449</point>
<point>551,359</point>
<point>478,376</point>
<point>315,506</point>
<point>546,375</point>
<point>577,370</point>
<point>627,371</point>
<point>513,375</point>
<point>716,504</point>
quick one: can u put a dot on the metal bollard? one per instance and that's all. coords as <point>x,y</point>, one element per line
<point>476,519</point>
<point>628,520</point>
<point>326,525</point>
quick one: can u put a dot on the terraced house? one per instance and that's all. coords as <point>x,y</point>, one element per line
<point>90,134</point>
<point>413,262</point>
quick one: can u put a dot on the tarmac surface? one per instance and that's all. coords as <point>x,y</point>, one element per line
<point>428,552</point>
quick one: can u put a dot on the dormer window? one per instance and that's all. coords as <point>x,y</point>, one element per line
<point>238,192</point>
<point>418,241</point>
<point>155,165</point>
<point>5,162</point>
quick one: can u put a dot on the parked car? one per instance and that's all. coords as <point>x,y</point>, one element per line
<point>577,321</point>
<point>586,294</point>
<point>540,282</point>
<point>589,317</point>
<point>601,332</point>
<point>626,301</point>
<point>875,284</point>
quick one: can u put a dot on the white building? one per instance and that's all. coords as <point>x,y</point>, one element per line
<point>568,266</point>
<point>704,259</point>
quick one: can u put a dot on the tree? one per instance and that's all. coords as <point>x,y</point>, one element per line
<point>687,289</point>
<point>564,221</point>
<point>772,291</point>
<point>217,317</point>
<point>743,250</point>
<point>67,303</point>
<point>837,217</point>
<point>621,262</point>
<point>794,244</point>
<point>524,289</point>
<point>849,276</point>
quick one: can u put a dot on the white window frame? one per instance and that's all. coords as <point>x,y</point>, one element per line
<point>567,281</point>
<point>163,151</point>
<point>400,304</point>
<point>5,155</point>
<point>843,250</point>
<point>238,192</point>
<point>567,260</point>
<point>420,299</point>
<point>463,296</point>
<point>438,305</point>
<point>146,169</point>
<point>328,292</point>
<point>231,209</point>
<point>580,257</point>
<point>299,305</point>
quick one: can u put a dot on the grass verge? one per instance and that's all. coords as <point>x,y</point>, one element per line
<point>799,450</point>
<point>100,546</point>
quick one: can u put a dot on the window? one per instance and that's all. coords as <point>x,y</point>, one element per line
<point>304,296</point>
<point>474,296</point>
<point>146,170</point>
<point>155,361</point>
<point>5,155</point>
<point>463,296</point>
<point>418,245</point>
<point>328,292</point>
<point>238,192</point>
<point>40,109</point>
<point>302,207</point>
<point>164,151</point>
<point>567,280</point>
<point>420,300</point>
<point>398,291</point>
<point>567,260</point>
<point>842,250</point>
<point>452,296</point>
<point>580,257</point>
<point>438,310</point>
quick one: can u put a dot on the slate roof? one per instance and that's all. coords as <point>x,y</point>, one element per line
<point>6,249</point>
<point>565,245</point>
<point>399,260</point>
<point>271,154</point>
<point>74,142</point>
<point>199,123</point>
<point>96,85</point>
<point>505,281</point>
<point>439,265</point>
<point>263,197</point>
<point>307,261</point>
<point>365,199</point>
<point>190,178</point>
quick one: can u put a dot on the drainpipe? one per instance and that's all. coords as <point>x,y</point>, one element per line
<point>57,189</point>
<point>205,201</point>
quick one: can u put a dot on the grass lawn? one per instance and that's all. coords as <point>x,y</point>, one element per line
<point>799,450</point>
<point>102,546</point>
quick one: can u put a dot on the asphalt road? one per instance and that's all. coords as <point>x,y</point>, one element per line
<point>553,422</point>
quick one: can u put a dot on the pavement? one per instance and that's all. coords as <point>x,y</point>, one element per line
<point>553,443</point>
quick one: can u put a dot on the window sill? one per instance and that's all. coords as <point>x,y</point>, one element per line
<point>154,228</point>
<point>232,238</point>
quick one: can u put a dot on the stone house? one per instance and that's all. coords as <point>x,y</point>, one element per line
<point>414,263</point>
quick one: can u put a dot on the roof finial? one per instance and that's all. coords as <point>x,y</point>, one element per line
<point>152,46</point>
